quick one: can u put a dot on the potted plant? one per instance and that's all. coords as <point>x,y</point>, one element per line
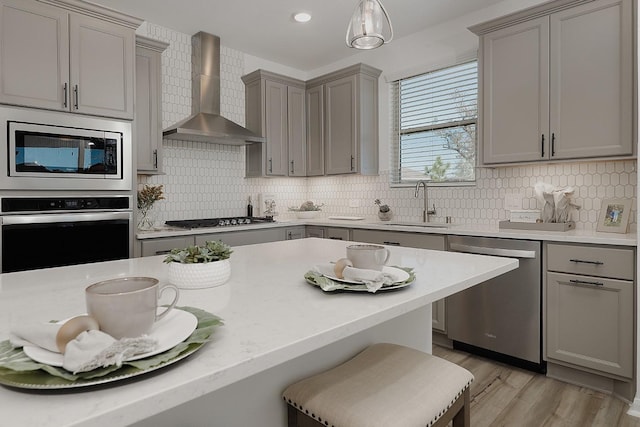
<point>307,210</point>
<point>146,198</point>
<point>197,267</point>
<point>384,212</point>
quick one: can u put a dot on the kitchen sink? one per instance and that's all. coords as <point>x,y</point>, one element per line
<point>421,224</point>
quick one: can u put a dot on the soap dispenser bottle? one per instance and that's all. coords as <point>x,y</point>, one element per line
<point>250,208</point>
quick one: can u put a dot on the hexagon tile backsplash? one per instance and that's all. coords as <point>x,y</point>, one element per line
<point>207,180</point>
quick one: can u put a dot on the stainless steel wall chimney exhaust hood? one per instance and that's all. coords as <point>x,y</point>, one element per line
<point>205,123</point>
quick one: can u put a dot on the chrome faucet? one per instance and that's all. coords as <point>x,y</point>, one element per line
<point>425,211</point>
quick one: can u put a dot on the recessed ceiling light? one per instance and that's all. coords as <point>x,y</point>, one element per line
<point>302,17</point>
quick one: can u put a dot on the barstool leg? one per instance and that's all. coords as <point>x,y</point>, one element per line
<point>463,417</point>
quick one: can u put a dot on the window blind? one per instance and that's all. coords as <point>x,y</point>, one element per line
<point>434,125</point>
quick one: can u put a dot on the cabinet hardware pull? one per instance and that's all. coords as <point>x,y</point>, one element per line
<point>585,282</point>
<point>291,166</point>
<point>587,262</point>
<point>335,238</point>
<point>155,159</point>
<point>270,165</point>
<point>352,159</point>
<point>391,243</point>
<point>75,92</point>
<point>64,90</point>
<point>553,144</point>
<point>542,146</point>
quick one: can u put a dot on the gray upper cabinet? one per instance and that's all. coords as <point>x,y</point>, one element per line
<point>552,88</point>
<point>55,56</point>
<point>148,106</point>
<point>315,131</point>
<point>275,109</point>
<point>345,130</point>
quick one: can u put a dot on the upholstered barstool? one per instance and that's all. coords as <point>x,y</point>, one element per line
<point>386,385</point>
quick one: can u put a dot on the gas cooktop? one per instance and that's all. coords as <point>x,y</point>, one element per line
<point>219,222</point>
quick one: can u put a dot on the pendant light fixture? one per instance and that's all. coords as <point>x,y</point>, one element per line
<point>370,26</point>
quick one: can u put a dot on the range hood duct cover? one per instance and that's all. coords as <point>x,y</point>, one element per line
<point>205,123</point>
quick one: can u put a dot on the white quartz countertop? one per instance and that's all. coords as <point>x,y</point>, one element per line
<point>271,316</point>
<point>575,236</point>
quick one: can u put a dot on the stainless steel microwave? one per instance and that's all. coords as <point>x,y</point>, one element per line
<point>46,150</point>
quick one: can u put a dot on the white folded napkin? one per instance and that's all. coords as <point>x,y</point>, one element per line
<point>373,279</point>
<point>88,351</point>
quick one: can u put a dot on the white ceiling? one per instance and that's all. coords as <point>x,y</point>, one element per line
<point>265,28</point>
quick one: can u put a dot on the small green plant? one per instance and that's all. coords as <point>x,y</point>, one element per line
<point>383,208</point>
<point>211,251</point>
<point>307,206</point>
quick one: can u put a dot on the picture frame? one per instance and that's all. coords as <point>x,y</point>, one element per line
<point>614,216</point>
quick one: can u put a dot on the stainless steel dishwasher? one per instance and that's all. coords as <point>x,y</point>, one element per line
<point>502,317</point>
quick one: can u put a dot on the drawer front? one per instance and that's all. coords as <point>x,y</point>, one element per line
<point>392,238</point>
<point>164,245</point>
<point>337,233</point>
<point>598,261</point>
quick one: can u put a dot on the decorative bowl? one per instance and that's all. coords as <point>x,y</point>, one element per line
<point>306,214</point>
<point>199,276</point>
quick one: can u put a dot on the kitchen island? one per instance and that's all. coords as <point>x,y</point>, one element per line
<point>278,329</point>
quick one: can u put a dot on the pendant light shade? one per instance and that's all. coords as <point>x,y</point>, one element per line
<point>370,26</point>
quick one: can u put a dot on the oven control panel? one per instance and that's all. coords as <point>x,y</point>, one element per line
<point>46,204</point>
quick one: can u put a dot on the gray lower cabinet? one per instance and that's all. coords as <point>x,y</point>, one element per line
<point>65,58</point>
<point>275,109</point>
<point>313,231</point>
<point>163,245</point>
<point>293,233</point>
<point>335,233</point>
<point>539,100</point>
<point>412,240</point>
<point>148,110</point>
<point>244,237</point>
<point>590,308</point>
<point>395,238</point>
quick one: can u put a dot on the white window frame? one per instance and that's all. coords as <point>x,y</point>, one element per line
<point>394,96</point>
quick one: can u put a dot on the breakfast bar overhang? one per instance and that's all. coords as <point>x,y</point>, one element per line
<point>278,329</point>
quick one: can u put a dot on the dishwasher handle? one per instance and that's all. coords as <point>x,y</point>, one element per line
<point>482,250</point>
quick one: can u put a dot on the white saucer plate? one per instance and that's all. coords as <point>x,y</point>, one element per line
<point>397,274</point>
<point>170,331</point>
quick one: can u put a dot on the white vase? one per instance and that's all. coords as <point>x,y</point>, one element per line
<point>199,276</point>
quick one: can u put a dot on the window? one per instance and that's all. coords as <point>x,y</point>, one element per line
<point>434,128</point>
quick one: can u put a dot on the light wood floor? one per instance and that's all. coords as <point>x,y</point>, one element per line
<point>502,395</point>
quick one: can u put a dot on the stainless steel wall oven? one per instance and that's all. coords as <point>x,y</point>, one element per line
<point>40,232</point>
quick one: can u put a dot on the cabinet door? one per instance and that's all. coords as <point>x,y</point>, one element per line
<point>34,54</point>
<point>102,62</point>
<point>515,93</point>
<point>297,135</point>
<point>315,131</point>
<point>590,322</point>
<point>591,80</point>
<point>340,126</point>
<point>276,128</point>
<point>147,119</point>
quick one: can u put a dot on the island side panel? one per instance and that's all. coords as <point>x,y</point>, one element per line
<point>257,400</point>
